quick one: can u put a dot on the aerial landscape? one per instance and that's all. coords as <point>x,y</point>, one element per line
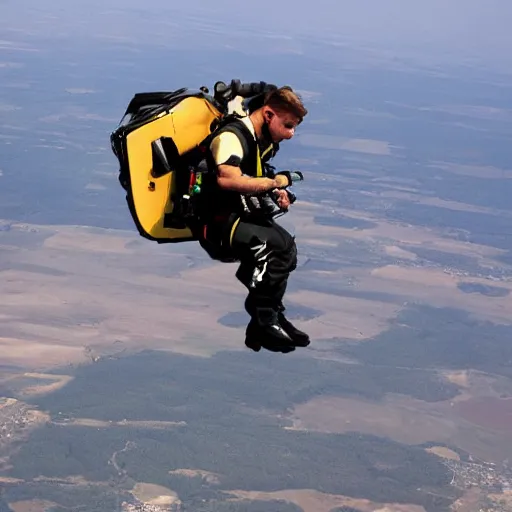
<point>125,384</point>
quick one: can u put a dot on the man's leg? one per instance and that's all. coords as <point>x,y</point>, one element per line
<point>263,329</point>
<point>268,254</point>
<point>298,338</point>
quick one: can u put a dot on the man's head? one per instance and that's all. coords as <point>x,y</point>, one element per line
<point>282,112</point>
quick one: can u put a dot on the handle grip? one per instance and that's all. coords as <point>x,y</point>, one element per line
<point>225,93</point>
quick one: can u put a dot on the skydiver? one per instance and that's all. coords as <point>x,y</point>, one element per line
<point>240,221</point>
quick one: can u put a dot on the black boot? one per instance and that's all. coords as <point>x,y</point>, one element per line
<point>264,329</point>
<point>299,338</point>
<point>271,337</point>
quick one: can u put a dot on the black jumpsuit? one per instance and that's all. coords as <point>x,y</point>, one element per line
<point>237,224</point>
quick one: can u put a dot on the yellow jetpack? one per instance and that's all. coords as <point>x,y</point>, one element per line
<point>161,143</point>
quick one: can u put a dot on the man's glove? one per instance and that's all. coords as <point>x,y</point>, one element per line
<point>286,178</point>
<point>282,180</point>
<point>291,196</point>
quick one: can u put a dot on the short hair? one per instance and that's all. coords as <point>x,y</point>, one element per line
<point>284,99</point>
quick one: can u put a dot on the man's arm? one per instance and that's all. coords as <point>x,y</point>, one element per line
<point>227,154</point>
<point>230,177</point>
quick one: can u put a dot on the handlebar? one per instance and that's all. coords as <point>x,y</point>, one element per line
<point>272,205</point>
<point>224,93</point>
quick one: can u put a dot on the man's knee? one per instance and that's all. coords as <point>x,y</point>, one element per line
<point>271,244</point>
<point>285,254</point>
<point>293,256</point>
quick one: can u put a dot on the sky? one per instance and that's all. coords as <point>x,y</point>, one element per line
<point>473,31</point>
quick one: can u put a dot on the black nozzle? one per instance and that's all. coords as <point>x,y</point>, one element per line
<point>255,89</point>
<point>225,93</point>
<point>235,86</point>
<point>296,176</point>
<point>219,86</point>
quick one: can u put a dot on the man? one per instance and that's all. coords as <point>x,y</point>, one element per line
<point>239,217</point>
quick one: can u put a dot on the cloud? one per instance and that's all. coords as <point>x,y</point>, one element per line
<point>79,90</point>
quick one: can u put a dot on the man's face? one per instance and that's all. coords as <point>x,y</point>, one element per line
<point>281,125</point>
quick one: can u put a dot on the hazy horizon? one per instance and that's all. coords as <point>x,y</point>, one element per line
<point>476,32</point>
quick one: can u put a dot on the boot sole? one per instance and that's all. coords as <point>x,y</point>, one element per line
<point>302,344</point>
<point>257,346</point>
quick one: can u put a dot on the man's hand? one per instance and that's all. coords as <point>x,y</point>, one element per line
<point>282,198</point>
<point>282,180</point>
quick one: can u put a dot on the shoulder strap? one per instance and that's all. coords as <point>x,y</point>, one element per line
<point>232,123</point>
<point>249,145</point>
<point>242,132</point>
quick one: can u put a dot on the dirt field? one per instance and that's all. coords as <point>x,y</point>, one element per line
<point>488,412</point>
<point>154,494</point>
<point>32,506</point>
<point>314,501</point>
<point>208,476</point>
<point>95,291</point>
<point>443,452</point>
<point>484,433</point>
